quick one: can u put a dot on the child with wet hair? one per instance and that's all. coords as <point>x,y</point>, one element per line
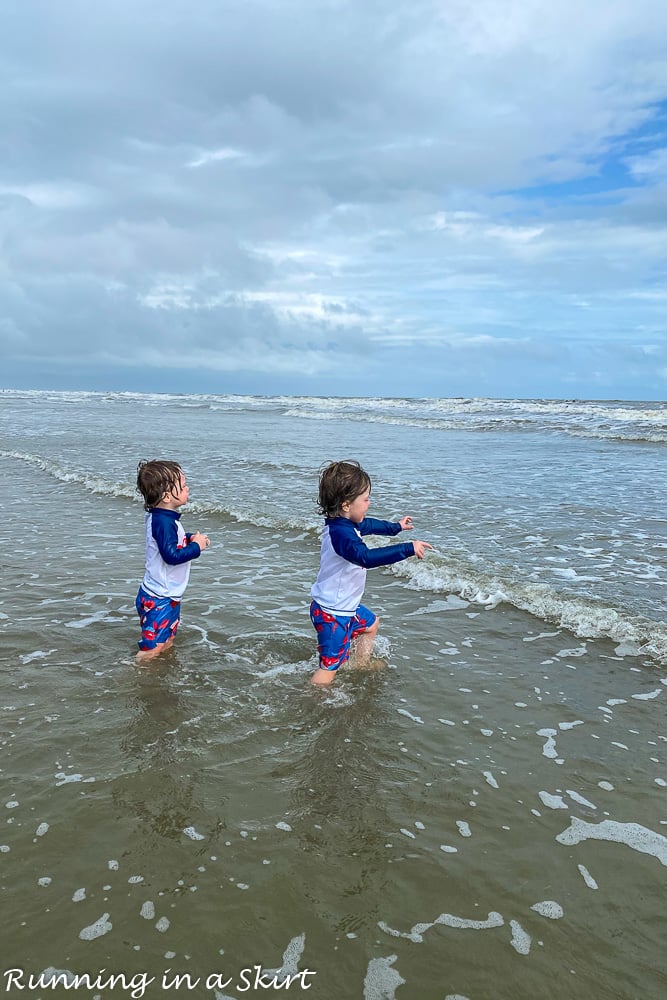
<point>336,610</point>
<point>169,552</point>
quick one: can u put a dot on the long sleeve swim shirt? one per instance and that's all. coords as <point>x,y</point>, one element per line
<point>345,557</point>
<point>168,554</point>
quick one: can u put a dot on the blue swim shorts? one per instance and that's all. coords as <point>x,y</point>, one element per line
<point>159,617</point>
<point>336,632</point>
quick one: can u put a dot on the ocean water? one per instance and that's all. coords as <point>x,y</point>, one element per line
<point>486,817</point>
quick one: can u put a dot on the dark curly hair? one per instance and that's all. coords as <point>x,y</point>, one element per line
<point>341,482</point>
<point>155,478</point>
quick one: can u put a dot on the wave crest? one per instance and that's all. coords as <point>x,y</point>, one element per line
<point>585,617</point>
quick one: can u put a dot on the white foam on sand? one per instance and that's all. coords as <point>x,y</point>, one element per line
<point>382,981</point>
<point>452,603</point>
<point>415,718</point>
<point>66,779</point>
<point>97,929</point>
<point>548,908</point>
<point>633,835</point>
<point>552,801</point>
<point>521,940</point>
<point>580,799</point>
<point>39,654</point>
<point>587,877</point>
<point>549,748</point>
<point>416,933</point>
<point>542,635</point>
<point>190,832</point>
<point>291,956</point>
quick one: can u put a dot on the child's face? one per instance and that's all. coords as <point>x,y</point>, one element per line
<point>356,509</point>
<point>178,496</point>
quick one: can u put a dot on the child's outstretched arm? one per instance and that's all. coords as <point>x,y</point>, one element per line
<point>347,544</point>
<point>374,526</point>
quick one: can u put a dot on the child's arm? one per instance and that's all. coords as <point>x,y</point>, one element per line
<point>166,538</point>
<point>197,536</point>
<point>203,541</point>
<point>373,526</point>
<point>347,544</point>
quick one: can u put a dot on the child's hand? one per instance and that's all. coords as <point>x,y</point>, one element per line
<point>420,548</point>
<point>406,523</point>
<point>202,541</point>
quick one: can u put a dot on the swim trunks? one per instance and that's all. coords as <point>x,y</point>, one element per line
<point>336,632</point>
<point>159,617</point>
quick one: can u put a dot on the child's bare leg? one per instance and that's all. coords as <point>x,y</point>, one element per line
<point>322,677</point>
<point>150,654</point>
<point>363,646</point>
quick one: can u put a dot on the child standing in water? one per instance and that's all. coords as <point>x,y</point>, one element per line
<point>336,610</point>
<point>169,551</point>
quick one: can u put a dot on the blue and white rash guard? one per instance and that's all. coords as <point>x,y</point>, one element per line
<point>345,558</point>
<point>168,554</point>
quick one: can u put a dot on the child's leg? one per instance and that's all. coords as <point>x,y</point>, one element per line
<point>363,645</point>
<point>364,629</point>
<point>333,643</point>
<point>322,677</point>
<point>150,654</point>
<point>159,617</point>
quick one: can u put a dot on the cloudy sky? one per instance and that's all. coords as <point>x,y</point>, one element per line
<point>344,197</point>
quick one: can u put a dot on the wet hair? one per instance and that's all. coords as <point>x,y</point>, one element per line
<point>341,482</point>
<point>155,478</point>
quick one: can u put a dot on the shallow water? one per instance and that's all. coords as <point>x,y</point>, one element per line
<point>486,817</point>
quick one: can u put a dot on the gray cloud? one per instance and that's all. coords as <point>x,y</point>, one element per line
<point>250,191</point>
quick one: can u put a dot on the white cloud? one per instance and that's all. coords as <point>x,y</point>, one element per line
<point>51,195</point>
<point>653,166</point>
<point>215,156</point>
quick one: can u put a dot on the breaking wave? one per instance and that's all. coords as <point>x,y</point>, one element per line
<point>585,617</point>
